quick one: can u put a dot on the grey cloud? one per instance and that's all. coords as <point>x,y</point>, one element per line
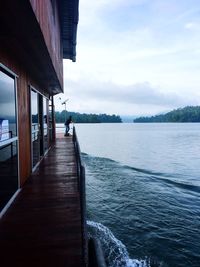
<point>140,93</point>
<point>6,91</point>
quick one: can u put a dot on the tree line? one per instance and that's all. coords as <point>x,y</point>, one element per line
<point>86,118</point>
<point>186,114</point>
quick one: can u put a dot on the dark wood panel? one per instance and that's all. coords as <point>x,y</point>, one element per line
<point>43,226</point>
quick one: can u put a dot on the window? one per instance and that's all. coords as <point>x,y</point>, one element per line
<point>35,128</point>
<point>39,126</point>
<point>8,124</point>
<point>8,138</point>
<point>45,124</point>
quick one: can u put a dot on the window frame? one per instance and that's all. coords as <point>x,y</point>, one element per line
<point>14,76</point>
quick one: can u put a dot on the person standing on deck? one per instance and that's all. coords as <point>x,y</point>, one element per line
<point>67,123</point>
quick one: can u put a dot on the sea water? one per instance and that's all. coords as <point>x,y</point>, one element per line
<point>143,192</point>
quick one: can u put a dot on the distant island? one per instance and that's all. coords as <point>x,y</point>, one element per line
<point>87,118</point>
<point>186,114</point>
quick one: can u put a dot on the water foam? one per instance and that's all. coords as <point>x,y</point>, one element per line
<point>115,252</point>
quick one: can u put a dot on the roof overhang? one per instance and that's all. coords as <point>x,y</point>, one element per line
<point>22,39</point>
<point>69,17</point>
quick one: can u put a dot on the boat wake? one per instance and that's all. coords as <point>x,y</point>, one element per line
<point>115,252</point>
<point>175,180</point>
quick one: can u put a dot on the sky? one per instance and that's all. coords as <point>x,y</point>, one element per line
<point>134,57</point>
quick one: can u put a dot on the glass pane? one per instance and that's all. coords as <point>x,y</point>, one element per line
<point>8,149</point>
<point>35,128</point>
<point>45,128</point>
<point>8,125</point>
<point>8,173</point>
<point>50,121</point>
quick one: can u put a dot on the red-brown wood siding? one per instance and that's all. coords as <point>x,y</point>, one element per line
<point>49,23</point>
<point>24,125</point>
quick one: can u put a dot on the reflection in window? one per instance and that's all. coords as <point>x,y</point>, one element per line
<point>50,121</point>
<point>45,126</point>
<point>35,128</point>
<point>8,140</point>
<point>8,127</point>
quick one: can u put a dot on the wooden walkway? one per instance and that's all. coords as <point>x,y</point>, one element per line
<point>42,228</point>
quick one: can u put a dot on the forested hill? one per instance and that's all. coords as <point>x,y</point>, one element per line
<point>87,118</point>
<point>186,114</point>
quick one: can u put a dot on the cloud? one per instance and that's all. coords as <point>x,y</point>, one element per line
<point>140,98</point>
<point>139,93</point>
<point>123,44</point>
<point>154,47</point>
<point>192,26</point>
<point>6,95</point>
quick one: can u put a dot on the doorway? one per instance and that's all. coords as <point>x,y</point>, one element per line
<point>35,128</point>
<point>39,126</point>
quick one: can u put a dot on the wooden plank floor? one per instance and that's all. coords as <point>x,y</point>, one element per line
<point>42,228</point>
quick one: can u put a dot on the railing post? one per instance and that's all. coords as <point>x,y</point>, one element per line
<point>83,211</point>
<point>74,134</point>
<point>81,188</point>
<point>53,120</point>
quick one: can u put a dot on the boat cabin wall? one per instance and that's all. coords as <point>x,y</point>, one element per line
<point>46,12</point>
<point>23,83</point>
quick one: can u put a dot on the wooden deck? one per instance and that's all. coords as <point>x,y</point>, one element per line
<point>42,228</point>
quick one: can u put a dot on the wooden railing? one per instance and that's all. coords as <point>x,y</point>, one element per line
<point>81,188</point>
